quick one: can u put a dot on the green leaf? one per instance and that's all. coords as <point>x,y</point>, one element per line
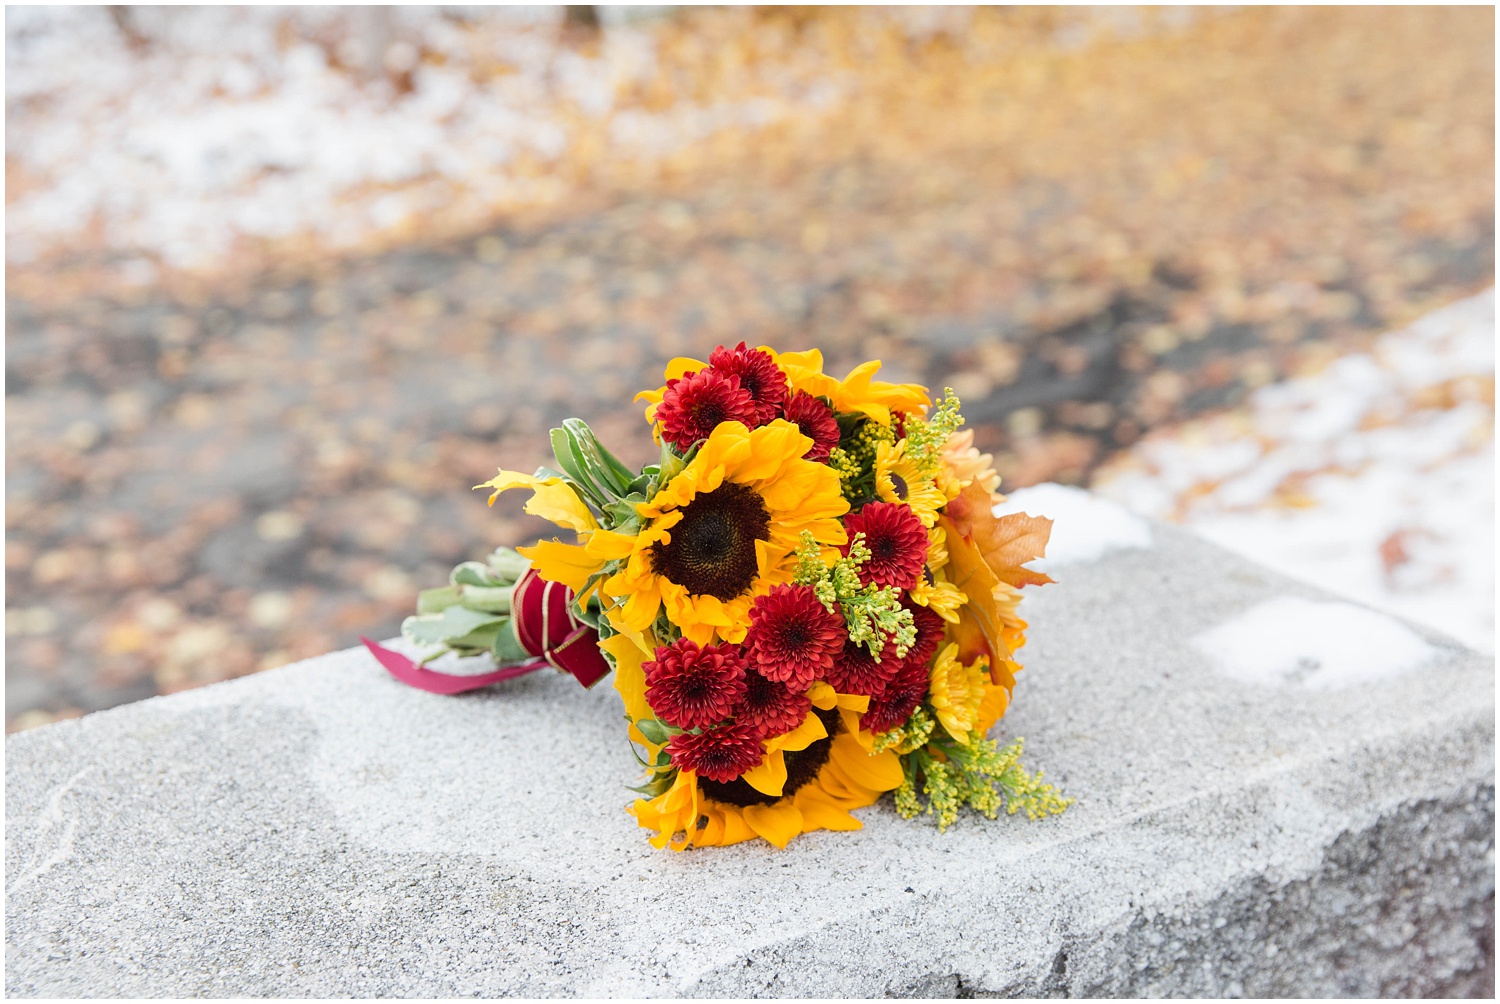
<point>472,573</point>
<point>480,640</point>
<point>617,475</point>
<point>446,627</point>
<point>492,599</point>
<point>656,786</point>
<point>507,647</point>
<point>435,601</point>
<point>563,450</point>
<point>655,732</point>
<point>507,565</point>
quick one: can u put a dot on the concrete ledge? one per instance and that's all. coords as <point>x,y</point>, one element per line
<point>321,830</point>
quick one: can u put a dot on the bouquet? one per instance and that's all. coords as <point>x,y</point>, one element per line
<point>806,602</point>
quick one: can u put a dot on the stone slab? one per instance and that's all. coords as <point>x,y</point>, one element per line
<point>322,830</point>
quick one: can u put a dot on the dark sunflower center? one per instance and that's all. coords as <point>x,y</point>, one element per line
<point>712,551</point>
<point>801,767</point>
<point>899,483</point>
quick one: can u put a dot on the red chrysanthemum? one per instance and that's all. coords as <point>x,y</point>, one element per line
<point>899,698</point>
<point>721,754</point>
<point>693,406</point>
<point>692,687</point>
<point>758,374</point>
<point>770,707</point>
<point>856,671</point>
<point>793,637</point>
<point>930,628</point>
<point>816,421</point>
<point>897,542</point>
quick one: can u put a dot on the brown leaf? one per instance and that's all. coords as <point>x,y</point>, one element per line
<point>1005,543</point>
<point>980,626</point>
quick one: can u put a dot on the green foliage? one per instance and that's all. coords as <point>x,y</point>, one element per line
<point>598,477</point>
<point>979,774</point>
<point>872,614</point>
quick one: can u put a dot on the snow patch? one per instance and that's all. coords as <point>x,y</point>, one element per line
<point>1374,478</point>
<point>1315,645</point>
<point>1085,527</point>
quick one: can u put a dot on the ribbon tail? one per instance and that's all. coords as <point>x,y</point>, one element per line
<point>579,655</point>
<point>433,682</point>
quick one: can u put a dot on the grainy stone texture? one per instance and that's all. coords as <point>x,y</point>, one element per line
<point>322,830</point>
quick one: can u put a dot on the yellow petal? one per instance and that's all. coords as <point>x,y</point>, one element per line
<point>554,561</point>
<point>561,505</point>
<point>822,696</point>
<point>821,812</point>
<point>609,545</point>
<point>630,680</point>
<point>777,823</point>
<point>800,738</point>
<point>506,480</point>
<point>882,772</point>
<point>770,776</point>
<point>551,499</point>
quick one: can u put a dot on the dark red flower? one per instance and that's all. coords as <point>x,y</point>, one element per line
<point>693,406</point>
<point>899,698</point>
<point>930,628</point>
<point>758,375</point>
<point>692,687</point>
<point>816,421</point>
<point>721,754</point>
<point>793,637</point>
<point>856,671</point>
<point>897,543</point>
<point>771,707</point>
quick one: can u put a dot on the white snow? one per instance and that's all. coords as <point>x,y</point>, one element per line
<point>1374,478</point>
<point>1085,527</point>
<point>1319,646</point>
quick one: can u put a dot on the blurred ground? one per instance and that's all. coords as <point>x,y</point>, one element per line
<point>229,447</point>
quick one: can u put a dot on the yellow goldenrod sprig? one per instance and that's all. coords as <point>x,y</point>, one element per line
<point>873,615</point>
<point>978,773</point>
<point>925,437</point>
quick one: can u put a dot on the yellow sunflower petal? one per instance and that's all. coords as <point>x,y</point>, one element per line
<point>881,771</point>
<point>769,778</point>
<point>777,823</point>
<point>609,545</point>
<point>821,812</point>
<point>555,561</point>
<point>551,499</point>
<point>630,679</point>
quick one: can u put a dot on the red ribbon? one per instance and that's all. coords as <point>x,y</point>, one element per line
<point>545,624</point>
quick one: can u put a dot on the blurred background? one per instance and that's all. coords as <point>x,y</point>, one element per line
<point>282,283</point>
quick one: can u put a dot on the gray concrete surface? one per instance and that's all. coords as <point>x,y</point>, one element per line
<point>322,830</point>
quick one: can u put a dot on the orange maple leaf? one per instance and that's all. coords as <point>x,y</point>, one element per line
<point>1007,542</point>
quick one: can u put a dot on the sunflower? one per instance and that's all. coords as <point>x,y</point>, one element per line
<point>899,479</point>
<point>824,772</point>
<point>722,532</point>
